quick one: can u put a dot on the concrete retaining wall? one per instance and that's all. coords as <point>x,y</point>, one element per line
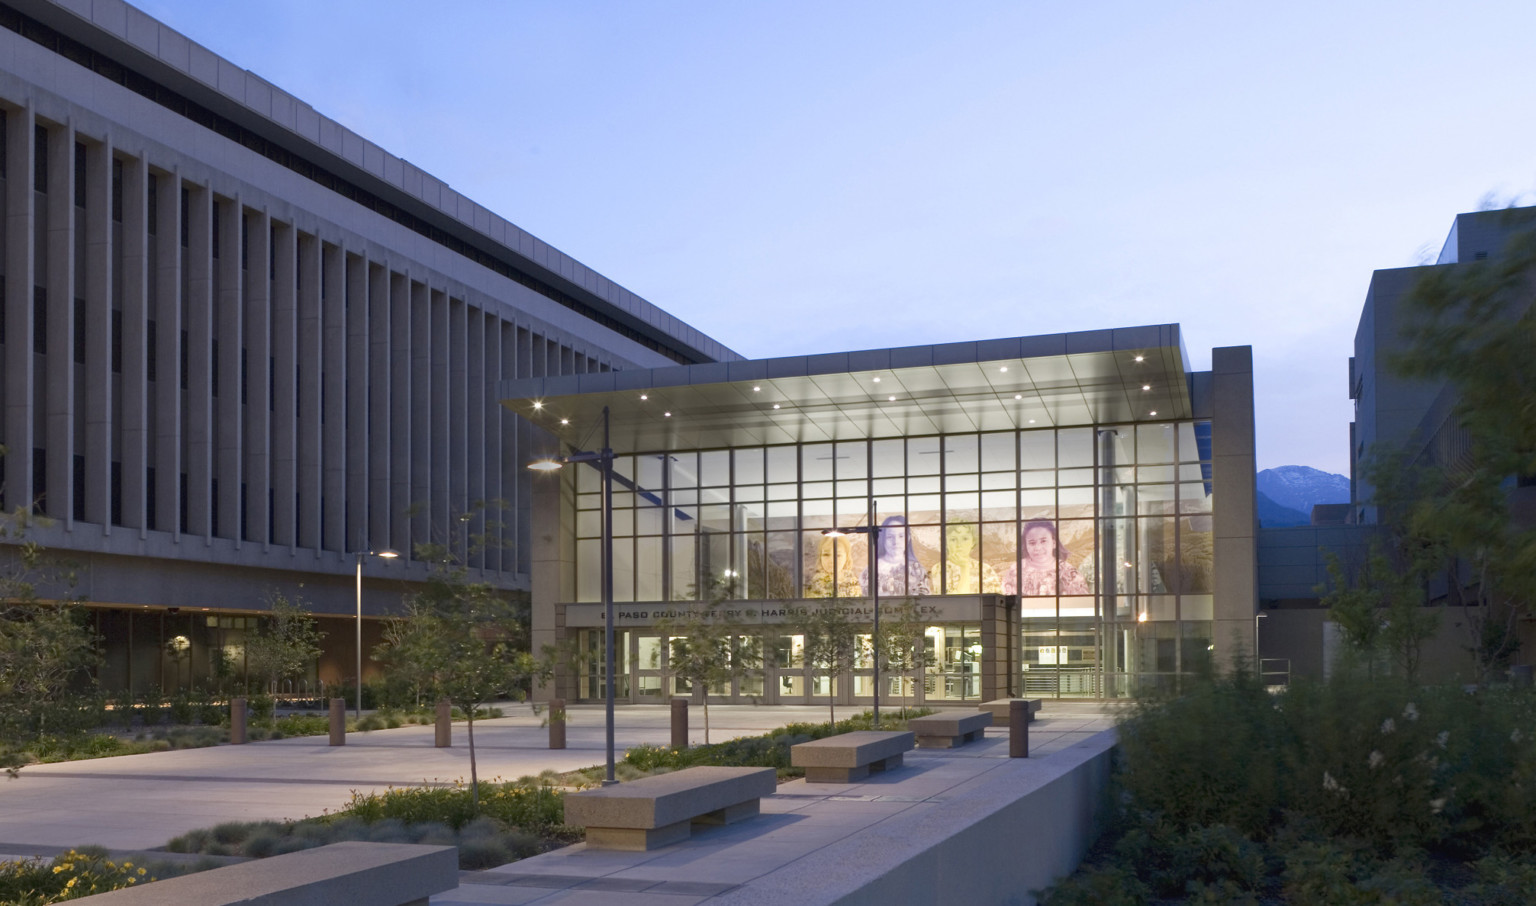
<point>1011,831</point>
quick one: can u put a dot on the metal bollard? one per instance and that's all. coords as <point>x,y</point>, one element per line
<point>679,723</point>
<point>557,723</point>
<point>237,722</point>
<point>442,736</point>
<point>338,721</point>
<point>1018,729</point>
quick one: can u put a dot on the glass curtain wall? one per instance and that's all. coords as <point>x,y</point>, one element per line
<point>1104,534</point>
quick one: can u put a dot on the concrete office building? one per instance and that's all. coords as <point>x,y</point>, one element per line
<point>242,343</point>
<point>1392,412</point>
<point>1073,514</point>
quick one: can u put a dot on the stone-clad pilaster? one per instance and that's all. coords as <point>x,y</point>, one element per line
<point>335,365</point>
<point>419,499</point>
<point>229,328</point>
<point>59,376</point>
<point>308,383</point>
<point>357,380</point>
<point>99,255</point>
<point>257,371</point>
<point>199,356</point>
<point>167,340</point>
<point>284,371</point>
<point>399,427</point>
<point>134,405</point>
<point>381,387</point>
<point>1233,501</point>
<point>20,204</point>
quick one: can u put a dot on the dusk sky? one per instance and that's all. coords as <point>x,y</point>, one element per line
<point>799,177</point>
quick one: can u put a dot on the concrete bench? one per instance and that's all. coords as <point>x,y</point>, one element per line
<point>850,757</point>
<point>999,708</point>
<point>947,730</point>
<point>347,874</point>
<point>654,811</point>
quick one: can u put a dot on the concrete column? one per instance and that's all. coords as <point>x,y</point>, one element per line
<point>357,380</point>
<point>237,719</point>
<point>166,311</point>
<point>420,393</point>
<point>199,353</point>
<point>308,385</point>
<point>334,366</point>
<point>400,426</point>
<point>134,404</point>
<point>229,328</point>
<point>1235,512</point>
<point>59,373</point>
<point>379,436</point>
<point>257,370</point>
<point>20,278</point>
<point>99,261</point>
<point>284,375</point>
<point>1018,728</point>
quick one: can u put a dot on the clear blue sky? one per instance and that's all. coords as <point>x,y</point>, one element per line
<point>795,177</point>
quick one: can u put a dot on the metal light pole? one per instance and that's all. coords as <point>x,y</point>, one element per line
<point>388,555</point>
<point>603,462</point>
<point>873,531</point>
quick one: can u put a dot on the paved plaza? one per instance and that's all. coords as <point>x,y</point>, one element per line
<point>138,802</point>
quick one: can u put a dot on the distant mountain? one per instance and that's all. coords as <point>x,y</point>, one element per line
<point>1273,515</point>
<point>1293,490</point>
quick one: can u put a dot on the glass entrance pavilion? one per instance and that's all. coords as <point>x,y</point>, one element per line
<point>1068,515</point>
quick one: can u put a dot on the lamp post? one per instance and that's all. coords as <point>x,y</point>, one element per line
<point>873,531</point>
<point>602,460</point>
<point>1258,663</point>
<point>387,554</point>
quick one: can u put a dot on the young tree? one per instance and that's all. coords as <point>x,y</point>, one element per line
<point>463,641</point>
<point>708,647</point>
<point>285,643</point>
<point>831,643</point>
<point>46,647</point>
<point>902,646</point>
<point>1473,326</point>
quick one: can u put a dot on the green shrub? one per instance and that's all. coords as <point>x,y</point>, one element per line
<point>70,875</point>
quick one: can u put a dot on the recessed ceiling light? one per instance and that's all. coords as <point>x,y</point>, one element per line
<point>1004,368</point>
<point>891,398</point>
<point>537,404</point>
<point>669,415</point>
<point>1141,358</point>
<point>1154,411</point>
<point>756,389</point>
<point>1018,396</point>
<point>877,379</point>
<point>1146,386</point>
<point>1031,421</point>
<point>565,421</point>
<point>775,405</point>
<point>645,396</point>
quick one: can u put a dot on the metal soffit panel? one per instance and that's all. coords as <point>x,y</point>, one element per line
<point>660,410</point>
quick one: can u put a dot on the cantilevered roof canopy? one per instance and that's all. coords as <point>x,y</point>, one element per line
<point>1085,378</point>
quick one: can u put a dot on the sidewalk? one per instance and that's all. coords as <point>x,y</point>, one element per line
<point>139,802</point>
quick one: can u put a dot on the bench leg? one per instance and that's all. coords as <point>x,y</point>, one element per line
<point>635,839</point>
<point>885,764</point>
<point>741,811</point>
<point>836,775</point>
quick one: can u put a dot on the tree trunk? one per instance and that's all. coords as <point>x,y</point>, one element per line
<point>474,776</point>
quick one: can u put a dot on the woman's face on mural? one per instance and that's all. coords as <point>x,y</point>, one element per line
<point>1040,546</point>
<point>962,540</point>
<point>893,542</point>
<point>828,553</point>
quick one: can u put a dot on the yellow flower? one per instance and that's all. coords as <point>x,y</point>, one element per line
<point>71,882</point>
<point>57,869</point>
<point>141,872</point>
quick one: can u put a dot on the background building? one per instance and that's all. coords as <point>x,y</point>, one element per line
<point>241,343</point>
<point>1136,473</point>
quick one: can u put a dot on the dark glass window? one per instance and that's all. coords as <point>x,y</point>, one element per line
<point>39,320</point>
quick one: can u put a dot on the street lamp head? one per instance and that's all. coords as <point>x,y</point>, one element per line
<point>387,554</point>
<point>545,465</point>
